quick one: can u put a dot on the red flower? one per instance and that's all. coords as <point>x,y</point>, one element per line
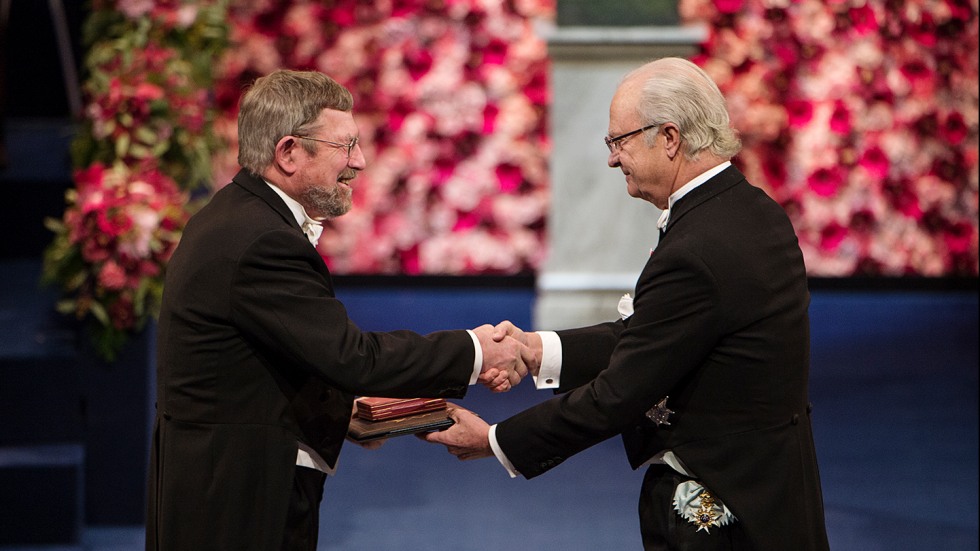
<point>831,236</point>
<point>960,237</point>
<point>903,199</point>
<point>954,129</point>
<point>916,71</point>
<point>840,119</point>
<point>490,113</point>
<point>467,220</point>
<point>418,62</point>
<point>122,314</point>
<point>800,112</point>
<point>729,6</point>
<point>863,20</point>
<point>495,52</point>
<point>509,176</point>
<point>875,162</point>
<point>862,221</point>
<point>825,181</point>
<point>537,88</point>
<point>925,31</point>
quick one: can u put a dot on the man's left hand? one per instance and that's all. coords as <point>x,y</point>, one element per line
<point>468,438</point>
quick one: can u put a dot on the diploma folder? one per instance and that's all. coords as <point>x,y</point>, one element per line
<point>363,430</point>
<point>379,409</point>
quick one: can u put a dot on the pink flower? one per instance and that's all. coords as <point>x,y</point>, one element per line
<point>134,9</point>
<point>112,276</point>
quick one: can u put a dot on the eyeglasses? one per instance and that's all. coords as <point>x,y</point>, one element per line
<point>617,144</point>
<point>349,146</point>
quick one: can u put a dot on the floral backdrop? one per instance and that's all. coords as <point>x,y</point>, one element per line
<point>450,97</point>
<point>860,117</point>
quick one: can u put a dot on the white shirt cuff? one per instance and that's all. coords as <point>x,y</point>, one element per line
<point>549,375</point>
<point>477,357</point>
<point>499,453</point>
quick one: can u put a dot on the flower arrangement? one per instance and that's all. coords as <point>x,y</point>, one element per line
<point>143,144</point>
<point>112,245</point>
<point>860,117</point>
<point>450,98</point>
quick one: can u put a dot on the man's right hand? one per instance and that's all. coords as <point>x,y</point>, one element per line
<point>503,359</point>
<point>535,349</point>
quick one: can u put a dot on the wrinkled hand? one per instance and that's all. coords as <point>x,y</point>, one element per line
<point>370,444</point>
<point>468,438</point>
<point>503,363</point>
<point>534,351</point>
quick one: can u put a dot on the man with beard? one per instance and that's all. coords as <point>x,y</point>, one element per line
<point>257,361</point>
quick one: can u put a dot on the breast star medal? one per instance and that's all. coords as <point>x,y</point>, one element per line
<point>659,413</point>
<point>698,506</point>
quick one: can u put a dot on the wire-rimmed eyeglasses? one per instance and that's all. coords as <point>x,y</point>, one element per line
<point>617,142</point>
<point>348,146</point>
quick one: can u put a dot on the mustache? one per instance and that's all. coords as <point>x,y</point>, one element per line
<point>347,174</point>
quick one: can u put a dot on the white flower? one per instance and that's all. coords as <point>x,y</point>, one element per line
<point>625,306</point>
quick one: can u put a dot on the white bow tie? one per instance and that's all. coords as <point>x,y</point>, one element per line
<point>313,230</point>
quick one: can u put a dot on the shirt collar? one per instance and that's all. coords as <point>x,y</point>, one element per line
<point>687,188</point>
<point>311,227</point>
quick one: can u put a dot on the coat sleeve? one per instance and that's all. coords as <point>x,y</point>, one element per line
<point>585,352</point>
<point>282,300</point>
<point>668,337</point>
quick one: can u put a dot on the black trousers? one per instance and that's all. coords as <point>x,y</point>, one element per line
<point>664,529</point>
<point>303,518</point>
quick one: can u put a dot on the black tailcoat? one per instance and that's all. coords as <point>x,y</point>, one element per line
<point>720,326</point>
<point>255,354</point>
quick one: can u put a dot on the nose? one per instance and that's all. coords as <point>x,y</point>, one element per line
<point>357,161</point>
<point>613,159</point>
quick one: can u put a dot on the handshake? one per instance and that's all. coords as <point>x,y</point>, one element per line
<point>509,354</point>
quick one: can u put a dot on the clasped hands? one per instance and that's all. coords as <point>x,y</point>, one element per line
<point>469,438</point>
<point>508,355</point>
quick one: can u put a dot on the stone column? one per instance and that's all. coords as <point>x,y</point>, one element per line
<point>599,236</point>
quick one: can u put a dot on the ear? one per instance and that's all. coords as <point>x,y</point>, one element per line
<point>285,155</point>
<point>672,139</point>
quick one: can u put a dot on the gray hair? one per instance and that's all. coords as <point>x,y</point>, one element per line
<point>678,91</point>
<point>284,103</point>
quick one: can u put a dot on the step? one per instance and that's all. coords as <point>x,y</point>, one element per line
<point>41,494</point>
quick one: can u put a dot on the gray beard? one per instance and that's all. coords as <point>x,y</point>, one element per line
<point>332,202</point>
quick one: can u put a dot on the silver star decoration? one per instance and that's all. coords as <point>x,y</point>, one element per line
<point>660,413</point>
